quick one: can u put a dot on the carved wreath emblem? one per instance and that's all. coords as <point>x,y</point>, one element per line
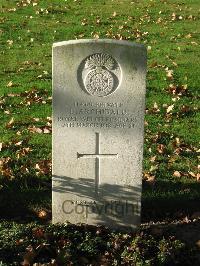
<point>100,79</point>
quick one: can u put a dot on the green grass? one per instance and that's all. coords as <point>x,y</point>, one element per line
<point>169,29</point>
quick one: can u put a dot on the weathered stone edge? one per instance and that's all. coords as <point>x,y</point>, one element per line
<point>111,41</point>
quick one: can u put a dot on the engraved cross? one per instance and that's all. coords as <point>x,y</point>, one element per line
<point>97,156</point>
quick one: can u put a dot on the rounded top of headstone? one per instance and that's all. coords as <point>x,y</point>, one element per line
<point>108,41</point>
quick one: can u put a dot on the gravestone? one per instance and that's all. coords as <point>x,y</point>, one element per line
<point>98,122</point>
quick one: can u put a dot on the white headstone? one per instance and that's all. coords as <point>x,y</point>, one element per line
<point>98,122</point>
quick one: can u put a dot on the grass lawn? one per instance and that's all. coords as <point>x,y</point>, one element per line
<point>171,183</point>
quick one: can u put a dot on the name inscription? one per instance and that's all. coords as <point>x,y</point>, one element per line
<point>97,115</point>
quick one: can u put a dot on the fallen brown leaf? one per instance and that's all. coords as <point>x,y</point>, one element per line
<point>150,179</point>
<point>29,256</point>
<point>42,214</point>
<point>35,129</point>
<point>46,131</point>
<point>10,84</point>
<point>10,123</point>
<point>160,148</point>
<point>170,108</point>
<point>177,174</point>
<point>153,158</point>
<point>192,174</point>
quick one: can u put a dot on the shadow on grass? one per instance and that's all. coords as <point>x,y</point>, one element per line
<point>22,205</point>
<point>166,200</point>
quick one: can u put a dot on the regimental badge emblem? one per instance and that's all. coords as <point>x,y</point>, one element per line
<point>101,74</point>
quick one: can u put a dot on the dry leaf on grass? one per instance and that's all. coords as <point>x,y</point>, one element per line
<point>177,174</point>
<point>170,108</point>
<point>10,123</point>
<point>42,214</point>
<point>150,179</point>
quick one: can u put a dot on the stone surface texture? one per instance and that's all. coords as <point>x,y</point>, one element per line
<point>98,123</point>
